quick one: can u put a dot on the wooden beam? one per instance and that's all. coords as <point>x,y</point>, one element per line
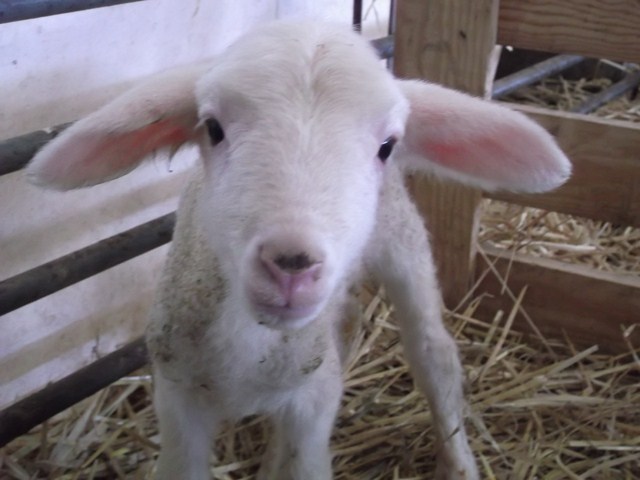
<point>449,42</point>
<point>606,156</point>
<point>591,307</point>
<point>446,41</point>
<point>595,28</point>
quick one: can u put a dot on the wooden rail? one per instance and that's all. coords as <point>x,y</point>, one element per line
<point>587,305</point>
<point>595,28</point>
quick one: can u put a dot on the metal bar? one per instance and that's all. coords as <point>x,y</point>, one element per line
<point>46,279</point>
<point>16,152</point>
<point>56,397</point>
<point>534,73</point>
<point>384,47</point>
<point>16,10</point>
<point>357,15</point>
<point>632,80</point>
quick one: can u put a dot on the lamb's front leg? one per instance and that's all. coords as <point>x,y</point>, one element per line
<point>401,259</point>
<point>187,426</point>
<point>433,358</point>
<point>299,446</point>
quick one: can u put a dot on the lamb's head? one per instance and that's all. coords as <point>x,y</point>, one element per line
<point>296,124</point>
<point>294,144</point>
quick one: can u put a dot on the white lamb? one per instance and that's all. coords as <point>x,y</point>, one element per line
<point>297,193</point>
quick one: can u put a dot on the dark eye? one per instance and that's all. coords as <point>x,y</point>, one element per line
<point>216,134</point>
<point>386,148</point>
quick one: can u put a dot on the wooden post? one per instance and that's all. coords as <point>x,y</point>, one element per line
<point>448,42</point>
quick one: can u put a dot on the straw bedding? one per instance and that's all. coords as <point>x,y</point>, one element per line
<point>540,409</point>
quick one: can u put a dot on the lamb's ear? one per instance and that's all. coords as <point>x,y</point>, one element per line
<point>477,142</point>
<point>160,112</point>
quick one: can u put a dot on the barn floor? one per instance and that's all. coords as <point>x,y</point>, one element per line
<point>538,408</point>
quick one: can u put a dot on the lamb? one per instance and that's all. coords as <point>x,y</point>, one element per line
<point>304,139</point>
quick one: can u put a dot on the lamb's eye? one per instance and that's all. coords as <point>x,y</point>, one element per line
<point>386,148</point>
<point>216,134</point>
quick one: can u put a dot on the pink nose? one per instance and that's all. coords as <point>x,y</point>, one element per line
<point>292,273</point>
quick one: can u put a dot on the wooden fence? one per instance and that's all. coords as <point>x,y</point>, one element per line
<point>453,42</point>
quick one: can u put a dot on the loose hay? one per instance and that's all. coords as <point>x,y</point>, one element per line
<point>536,411</point>
<point>539,409</point>
<point>558,93</point>
<point>599,245</point>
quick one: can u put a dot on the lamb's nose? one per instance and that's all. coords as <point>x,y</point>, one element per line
<point>292,273</point>
<point>291,265</point>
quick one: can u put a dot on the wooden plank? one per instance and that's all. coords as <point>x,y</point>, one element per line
<point>591,307</point>
<point>449,42</point>
<point>606,156</point>
<point>446,41</point>
<point>595,28</point>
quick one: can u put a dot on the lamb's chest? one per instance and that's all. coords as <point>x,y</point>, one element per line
<point>251,364</point>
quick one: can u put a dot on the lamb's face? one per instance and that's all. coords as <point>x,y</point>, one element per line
<point>294,141</point>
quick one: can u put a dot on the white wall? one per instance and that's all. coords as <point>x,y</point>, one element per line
<point>54,70</point>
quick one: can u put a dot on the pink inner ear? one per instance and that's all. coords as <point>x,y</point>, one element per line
<point>479,143</point>
<point>447,154</point>
<point>480,151</point>
<point>117,153</point>
<point>93,158</point>
<point>483,156</point>
<point>154,136</point>
<point>501,156</point>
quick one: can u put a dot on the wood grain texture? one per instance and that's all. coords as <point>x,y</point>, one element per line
<point>449,42</point>
<point>605,184</point>
<point>591,307</point>
<point>446,41</point>
<point>595,28</point>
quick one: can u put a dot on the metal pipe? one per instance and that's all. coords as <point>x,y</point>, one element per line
<point>16,152</point>
<point>56,397</point>
<point>46,279</point>
<point>384,47</point>
<point>632,80</point>
<point>534,73</point>
<point>16,10</point>
<point>392,17</point>
<point>357,15</point>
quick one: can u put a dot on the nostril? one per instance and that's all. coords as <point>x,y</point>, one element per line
<point>292,268</point>
<point>294,263</point>
<point>291,262</point>
<point>290,271</point>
